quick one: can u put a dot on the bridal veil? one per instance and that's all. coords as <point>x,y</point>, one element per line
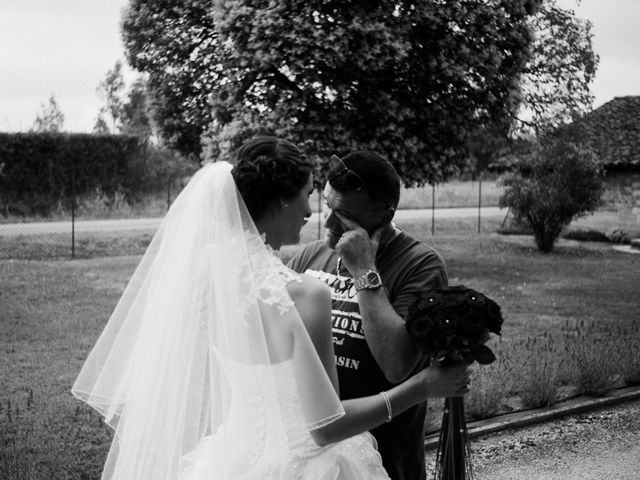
<point>207,303</point>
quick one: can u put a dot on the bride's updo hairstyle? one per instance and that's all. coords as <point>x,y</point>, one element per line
<point>267,171</point>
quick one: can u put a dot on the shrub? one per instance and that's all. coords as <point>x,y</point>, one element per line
<point>541,372</point>
<point>487,391</point>
<point>617,235</point>
<point>514,226</point>
<point>549,187</point>
<point>627,337</point>
<point>588,235</point>
<point>43,169</point>
<point>595,355</point>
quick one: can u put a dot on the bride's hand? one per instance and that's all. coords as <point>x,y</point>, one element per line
<point>437,381</point>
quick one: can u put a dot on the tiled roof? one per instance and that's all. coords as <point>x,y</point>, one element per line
<point>613,132</point>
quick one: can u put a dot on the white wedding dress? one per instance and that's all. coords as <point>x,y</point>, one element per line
<point>220,457</point>
<point>252,442</point>
<point>205,369</point>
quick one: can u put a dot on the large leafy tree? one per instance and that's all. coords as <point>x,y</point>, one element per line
<point>555,87</point>
<point>412,79</point>
<point>557,77</point>
<point>176,45</point>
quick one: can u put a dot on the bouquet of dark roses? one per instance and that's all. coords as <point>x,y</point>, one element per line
<point>451,324</point>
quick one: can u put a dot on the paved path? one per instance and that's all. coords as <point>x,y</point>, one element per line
<point>600,445</point>
<point>39,228</point>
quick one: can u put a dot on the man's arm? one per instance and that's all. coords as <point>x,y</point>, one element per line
<point>394,350</point>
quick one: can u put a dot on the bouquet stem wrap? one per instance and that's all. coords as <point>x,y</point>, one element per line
<point>453,460</point>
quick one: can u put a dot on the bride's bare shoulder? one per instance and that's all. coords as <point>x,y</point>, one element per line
<point>312,298</point>
<point>309,289</point>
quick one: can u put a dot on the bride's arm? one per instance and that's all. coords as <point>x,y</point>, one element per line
<point>365,413</point>
<point>313,302</point>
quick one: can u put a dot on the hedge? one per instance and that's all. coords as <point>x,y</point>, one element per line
<point>39,170</point>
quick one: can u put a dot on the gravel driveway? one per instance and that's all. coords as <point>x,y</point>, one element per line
<point>600,445</point>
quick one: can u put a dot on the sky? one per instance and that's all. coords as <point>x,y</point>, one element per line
<point>65,47</point>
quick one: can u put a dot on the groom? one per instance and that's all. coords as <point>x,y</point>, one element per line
<point>375,271</point>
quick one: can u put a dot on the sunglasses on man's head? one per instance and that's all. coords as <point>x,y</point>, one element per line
<point>352,179</point>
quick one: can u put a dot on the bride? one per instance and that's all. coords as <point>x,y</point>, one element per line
<point>217,362</point>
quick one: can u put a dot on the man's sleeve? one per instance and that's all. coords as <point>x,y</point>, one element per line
<point>297,263</point>
<point>429,274</point>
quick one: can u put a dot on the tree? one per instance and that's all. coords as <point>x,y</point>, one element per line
<point>135,121</point>
<point>111,90</point>
<point>126,109</point>
<point>100,127</point>
<point>50,118</point>
<point>561,67</point>
<point>410,79</point>
<point>175,45</point>
<point>134,114</point>
<point>556,183</point>
<point>555,87</point>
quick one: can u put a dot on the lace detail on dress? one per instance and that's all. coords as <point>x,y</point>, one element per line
<point>266,277</point>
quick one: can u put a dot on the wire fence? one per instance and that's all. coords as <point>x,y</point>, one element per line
<point>111,225</point>
<point>89,225</point>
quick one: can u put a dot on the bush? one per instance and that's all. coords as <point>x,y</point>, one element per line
<point>626,333</point>
<point>616,235</point>
<point>548,188</point>
<point>588,235</point>
<point>40,173</point>
<point>514,226</point>
<point>160,166</point>
<point>40,170</point>
<point>595,355</point>
<point>487,394</point>
<point>542,372</point>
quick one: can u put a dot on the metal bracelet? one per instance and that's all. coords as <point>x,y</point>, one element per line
<point>388,404</point>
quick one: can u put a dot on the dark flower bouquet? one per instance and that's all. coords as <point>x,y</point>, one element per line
<point>451,324</point>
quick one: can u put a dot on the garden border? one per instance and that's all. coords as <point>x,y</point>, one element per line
<point>524,418</point>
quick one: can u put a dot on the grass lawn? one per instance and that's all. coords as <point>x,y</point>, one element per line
<point>51,312</point>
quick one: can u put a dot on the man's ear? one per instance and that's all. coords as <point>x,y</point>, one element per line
<point>387,214</point>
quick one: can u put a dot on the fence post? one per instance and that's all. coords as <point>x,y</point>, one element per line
<point>73,213</point>
<point>504,220</point>
<point>479,198</point>
<point>319,213</point>
<point>433,208</point>
<point>168,193</point>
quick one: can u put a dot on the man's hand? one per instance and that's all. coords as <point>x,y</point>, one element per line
<point>356,248</point>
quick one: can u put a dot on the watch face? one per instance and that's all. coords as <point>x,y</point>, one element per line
<point>373,279</point>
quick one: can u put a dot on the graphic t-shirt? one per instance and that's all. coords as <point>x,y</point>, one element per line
<point>408,268</point>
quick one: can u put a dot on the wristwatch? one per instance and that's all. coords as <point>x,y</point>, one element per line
<point>369,281</point>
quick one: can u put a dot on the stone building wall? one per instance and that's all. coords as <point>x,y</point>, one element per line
<point>622,195</point>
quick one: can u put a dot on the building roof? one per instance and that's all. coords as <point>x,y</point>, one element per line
<point>613,132</point>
